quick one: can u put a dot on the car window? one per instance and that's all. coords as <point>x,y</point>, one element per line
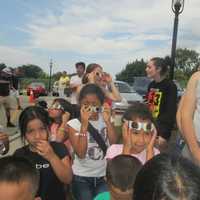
<point>123,88</point>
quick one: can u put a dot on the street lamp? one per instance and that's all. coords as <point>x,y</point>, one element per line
<point>50,73</point>
<point>177,8</point>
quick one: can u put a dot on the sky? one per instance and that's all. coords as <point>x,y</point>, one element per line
<point>111,33</point>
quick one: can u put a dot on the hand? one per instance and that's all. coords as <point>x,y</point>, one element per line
<point>108,78</point>
<point>3,137</point>
<point>65,117</point>
<point>106,112</point>
<point>85,114</point>
<point>152,142</point>
<point>45,150</point>
<point>126,134</point>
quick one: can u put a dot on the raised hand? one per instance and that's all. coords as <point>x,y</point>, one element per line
<point>44,149</point>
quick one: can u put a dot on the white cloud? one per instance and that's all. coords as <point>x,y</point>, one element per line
<point>119,30</point>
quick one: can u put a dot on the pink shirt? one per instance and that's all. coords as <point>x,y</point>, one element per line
<point>116,149</point>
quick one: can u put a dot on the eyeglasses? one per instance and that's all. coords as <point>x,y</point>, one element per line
<point>95,109</point>
<point>57,106</point>
<point>137,126</point>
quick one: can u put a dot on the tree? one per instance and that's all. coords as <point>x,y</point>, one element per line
<point>136,68</point>
<point>2,66</point>
<point>187,61</point>
<point>32,71</point>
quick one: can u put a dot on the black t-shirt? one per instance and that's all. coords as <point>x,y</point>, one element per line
<point>51,188</point>
<point>162,101</point>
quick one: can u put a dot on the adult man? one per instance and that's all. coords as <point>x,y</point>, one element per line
<point>7,101</point>
<point>19,179</point>
<point>76,81</point>
<point>62,84</point>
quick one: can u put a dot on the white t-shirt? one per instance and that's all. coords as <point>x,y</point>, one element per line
<point>75,80</point>
<point>94,163</point>
<point>116,149</point>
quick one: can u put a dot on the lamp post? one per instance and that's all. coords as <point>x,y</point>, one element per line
<point>177,8</point>
<point>50,73</point>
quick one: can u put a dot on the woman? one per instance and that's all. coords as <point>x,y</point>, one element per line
<point>51,159</point>
<point>188,118</point>
<point>90,136</point>
<point>161,98</point>
<point>94,74</point>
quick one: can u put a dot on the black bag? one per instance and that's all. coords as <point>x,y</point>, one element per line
<point>97,137</point>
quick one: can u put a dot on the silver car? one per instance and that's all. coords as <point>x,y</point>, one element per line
<point>129,95</point>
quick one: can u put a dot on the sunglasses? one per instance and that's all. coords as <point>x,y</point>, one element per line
<point>138,126</point>
<point>57,107</point>
<point>95,109</point>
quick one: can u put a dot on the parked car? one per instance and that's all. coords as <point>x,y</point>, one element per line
<point>38,89</point>
<point>140,84</point>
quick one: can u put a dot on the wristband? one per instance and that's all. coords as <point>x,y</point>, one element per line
<point>81,134</point>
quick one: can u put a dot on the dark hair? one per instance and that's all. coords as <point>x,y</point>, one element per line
<point>68,107</point>
<point>139,110</point>
<point>80,64</point>
<point>168,177</point>
<point>92,89</point>
<point>162,63</point>
<point>18,169</point>
<point>90,68</point>
<point>31,113</point>
<point>41,103</point>
<point>121,171</point>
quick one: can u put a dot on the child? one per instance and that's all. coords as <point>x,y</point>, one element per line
<point>121,173</point>
<point>139,134</point>
<point>51,159</point>
<point>90,135</point>
<point>61,111</point>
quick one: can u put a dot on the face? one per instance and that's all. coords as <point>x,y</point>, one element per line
<point>35,132</point>
<point>80,70</point>
<point>98,74</point>
<point>55,111</point>
<point>141,134</point>
<point>16,191</point>
<point>151,70</point>
<point>91,101</point>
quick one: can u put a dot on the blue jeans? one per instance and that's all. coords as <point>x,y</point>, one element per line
<point>86,188</point>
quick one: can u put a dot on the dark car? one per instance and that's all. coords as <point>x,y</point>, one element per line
<point>38,89</point>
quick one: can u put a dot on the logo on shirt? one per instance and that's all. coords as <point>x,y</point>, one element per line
<point>42,166</point>
<point>154,99</point>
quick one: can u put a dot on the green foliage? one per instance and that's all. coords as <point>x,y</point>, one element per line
<point>32,71</point>
<point>136,68</point>
<point>187,60</point>
<point>2,66</point>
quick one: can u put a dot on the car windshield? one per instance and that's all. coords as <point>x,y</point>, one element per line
<point>141,82</point>
<point>124,87</point>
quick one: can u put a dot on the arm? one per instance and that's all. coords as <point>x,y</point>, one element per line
<point>110,128</point>
<point>4,138</point>
<point>61,168</point>
<point>187,114</point>
<point>114,94</point>
<point>78,139</point>
<point>178,114</point>
<point>62,132</point>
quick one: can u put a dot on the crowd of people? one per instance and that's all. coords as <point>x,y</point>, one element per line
<point>72,149</point>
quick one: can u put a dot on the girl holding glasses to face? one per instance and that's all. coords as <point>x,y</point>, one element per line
<point>138,134</point>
